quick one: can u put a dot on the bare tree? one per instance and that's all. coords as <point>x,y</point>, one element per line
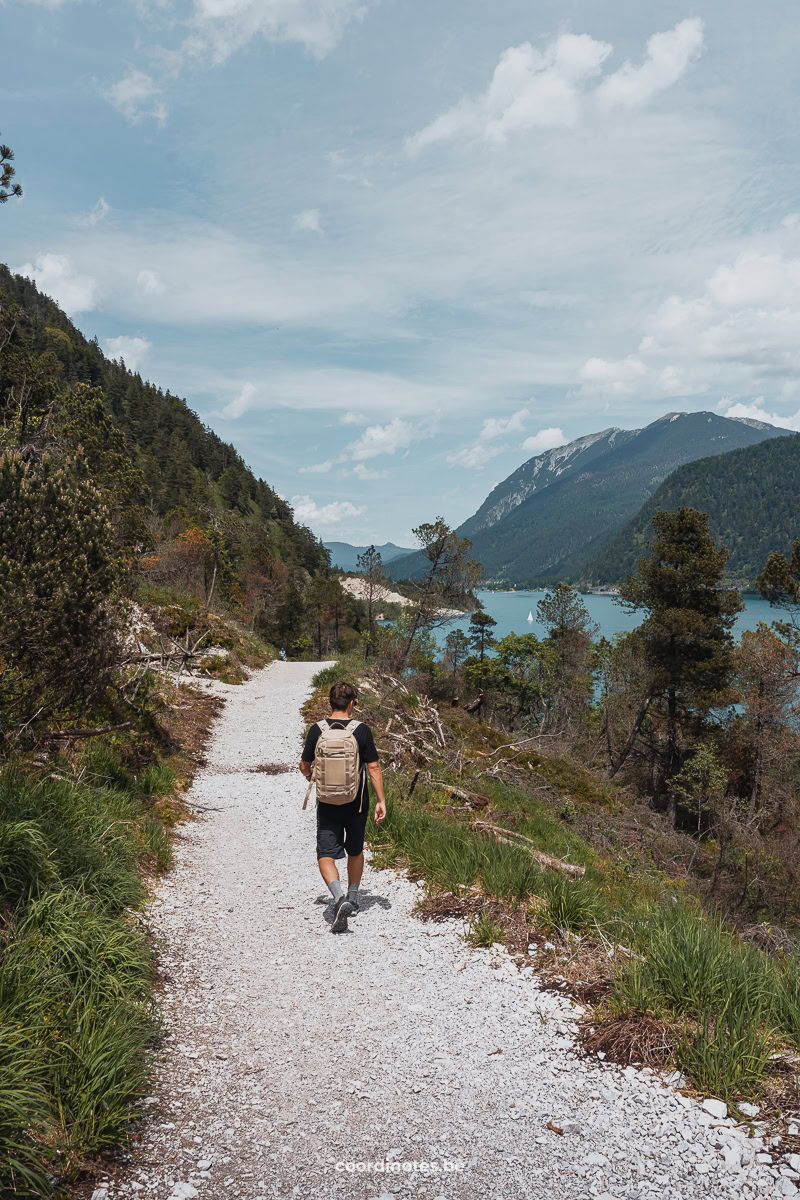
<point>370,564</point>
<point>448,580</point>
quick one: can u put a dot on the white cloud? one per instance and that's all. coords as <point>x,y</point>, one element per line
<point>668,56</point>
<point>136,96</point>
<point>308,512</point>
<point>149,283</point>
<point>362,472</point>
<point>385,439</point>
<point>613,378</point>
<point>545,439</point>
<point>474,457</point>
<point>133,350</point>
<point>318,468</point>
<point>96,214</point>
<point>240,404</point>
<point>532,88</point>
<point>739,335</point>
<point>352,418</point>
<point>756,412</point>
<point>221,27</point>
<point>55,275</point>
<point>481,453</point>
<point>307,221</point>
<point>496,427</point>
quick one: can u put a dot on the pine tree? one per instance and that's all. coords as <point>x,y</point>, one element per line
<point>457,649</point>
<point>686,633</point>
<point>480,632</point>
<point>7,172</point>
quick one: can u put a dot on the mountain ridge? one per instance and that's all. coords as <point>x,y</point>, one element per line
<point>343,555</point>
<point>748,495</point>
<point>598,483</point>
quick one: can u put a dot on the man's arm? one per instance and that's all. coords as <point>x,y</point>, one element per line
<point>305,767</point>
<point>376,777</point>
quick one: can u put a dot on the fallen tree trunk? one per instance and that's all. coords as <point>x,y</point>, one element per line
<point>512,838</point>
<point>66,734</point>
<point>473,799</point>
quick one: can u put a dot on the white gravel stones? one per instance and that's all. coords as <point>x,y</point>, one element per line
<point>716,1108</point>
<point>295,1061</point>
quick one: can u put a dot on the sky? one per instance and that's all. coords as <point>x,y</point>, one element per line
<point>390,249</point>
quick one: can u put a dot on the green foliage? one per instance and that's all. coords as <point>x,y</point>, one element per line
<point>7,172</point>
<point>684,639</point>
<point>518,678</point>
<point>76,1018</point>
<point>727,1055</point>
<point>748,494</point>
<point>447,580</point>
<point>701,783</point>
<point>481,625</point>
<point>484,930</point>
<point>59,566</point>
<point>572,904</point>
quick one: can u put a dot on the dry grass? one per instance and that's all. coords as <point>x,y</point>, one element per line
<point>187,721</point>
<point>271,769</point>
<point>632,1039</point>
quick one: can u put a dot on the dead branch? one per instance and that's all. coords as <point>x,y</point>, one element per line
<point>512,838</point>
<point>473,799</point>
<point>67,734</point>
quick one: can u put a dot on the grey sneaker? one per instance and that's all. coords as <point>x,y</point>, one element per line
<point>343,910</point>
<point>353,902</point>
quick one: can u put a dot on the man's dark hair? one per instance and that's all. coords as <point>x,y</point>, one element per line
<point>341,695</point>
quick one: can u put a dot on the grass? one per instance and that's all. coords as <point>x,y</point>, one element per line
<point>485,930</point>
<point>693,991</point>
<point>76,1018</point>
<point>689,991</point>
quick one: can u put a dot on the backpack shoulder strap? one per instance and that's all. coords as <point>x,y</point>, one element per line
<point>352,726</point>
<point>323,726</point>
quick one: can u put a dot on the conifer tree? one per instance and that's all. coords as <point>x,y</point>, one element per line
<point>7,173</point>
<point>480,632</point>
<point>686,631</point>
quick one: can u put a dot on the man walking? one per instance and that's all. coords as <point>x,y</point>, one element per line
<point>340,756</point>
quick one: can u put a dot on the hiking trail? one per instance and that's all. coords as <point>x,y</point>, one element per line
<point>292,1052</point>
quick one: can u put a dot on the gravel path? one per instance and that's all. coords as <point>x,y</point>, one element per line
<point>293,1053</point>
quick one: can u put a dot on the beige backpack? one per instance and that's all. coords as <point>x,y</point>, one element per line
<point>337,765</point>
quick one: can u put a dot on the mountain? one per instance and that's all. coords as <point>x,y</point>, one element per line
<point>750,496</point>
<point>344,556</point>
<point>538,473</point>
<point>549,517</point>
<point>188,470</point>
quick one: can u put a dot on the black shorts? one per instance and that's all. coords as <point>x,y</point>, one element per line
<point>340,829</point>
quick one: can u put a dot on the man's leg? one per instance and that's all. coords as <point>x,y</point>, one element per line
<point>355,869</point>
<point>328,871</point>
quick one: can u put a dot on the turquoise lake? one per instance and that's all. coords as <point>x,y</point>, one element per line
<point>510,610</point>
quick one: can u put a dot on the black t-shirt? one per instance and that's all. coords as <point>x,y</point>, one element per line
<point>367,752</point>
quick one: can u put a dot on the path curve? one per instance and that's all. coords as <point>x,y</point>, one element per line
<point>292,1053</point>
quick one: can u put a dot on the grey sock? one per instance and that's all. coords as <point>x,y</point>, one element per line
<point>336,889</point>
<point>352,892</point>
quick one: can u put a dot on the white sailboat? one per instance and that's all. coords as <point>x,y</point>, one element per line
<point>530,614</point>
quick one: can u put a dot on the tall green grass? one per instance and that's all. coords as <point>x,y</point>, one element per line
<point>76,1016</point>
<point>732,1003</point>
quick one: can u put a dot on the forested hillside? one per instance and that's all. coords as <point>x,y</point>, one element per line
<point>185,467</point>
<point>549,517</point>
<point>750,496</point>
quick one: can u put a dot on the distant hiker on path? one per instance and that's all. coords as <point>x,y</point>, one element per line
<point>340,757</point>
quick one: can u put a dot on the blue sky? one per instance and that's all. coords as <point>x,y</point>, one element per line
<point>391,249</point>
